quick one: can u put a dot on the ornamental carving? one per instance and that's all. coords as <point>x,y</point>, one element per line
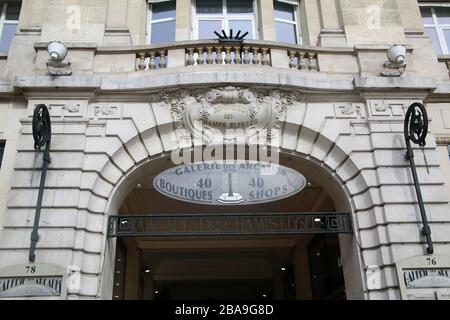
<point>206,113</point>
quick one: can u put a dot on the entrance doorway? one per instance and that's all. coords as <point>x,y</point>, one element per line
<point>280,268</point>
<point>156,259</point>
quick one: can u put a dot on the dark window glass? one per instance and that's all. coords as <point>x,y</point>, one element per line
<point>431,32</point>
<point>284,11</point>
<point>206,28</point>
<point>13,10</point>
<point>9,29</point>
<point>163,32</point>
<point>286,32</point>
<point>240,6</point>
<point>448,149</point>
<point>243,25</point>
<point>443,14</point>
<point>426,15</point>
<point>209,6</point>
<point>163,10</point>
<point>2,149</point>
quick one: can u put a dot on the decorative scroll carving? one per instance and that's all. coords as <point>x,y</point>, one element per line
<point>443,141</point>
<point>71,108</point>
<point>206,112</point>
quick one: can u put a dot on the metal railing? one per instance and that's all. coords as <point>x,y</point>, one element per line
<point>163,225</point>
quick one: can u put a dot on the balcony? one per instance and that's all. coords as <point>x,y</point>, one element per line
<point>202,54</point>
<point>148,68</point>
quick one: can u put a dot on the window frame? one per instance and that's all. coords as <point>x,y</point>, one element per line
<point>151,22</point>
<point>2,151</point>
<point>224,17</point>
<point>4,21</point>
<point>295,23</point>
<point>439,28</point>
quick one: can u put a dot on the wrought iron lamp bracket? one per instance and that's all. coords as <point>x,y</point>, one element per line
<point>416,130</point>
<point>42,137</point>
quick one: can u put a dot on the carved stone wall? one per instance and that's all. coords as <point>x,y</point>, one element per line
<point>97,143</point>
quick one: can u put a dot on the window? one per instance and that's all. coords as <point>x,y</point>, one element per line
<point>436,20</point>
<point>286,21</point>
<point>162,21</point>
<point>8,23</point>
<point>2,149</point>
<point>217,15</point>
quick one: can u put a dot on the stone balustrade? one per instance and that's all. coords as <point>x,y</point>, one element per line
<point>151,60</point>
<point>90,57</point>
<point>228,54</point>
<point>302,60</point>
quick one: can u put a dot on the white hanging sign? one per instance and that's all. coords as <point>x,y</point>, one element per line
<point>229,182</point>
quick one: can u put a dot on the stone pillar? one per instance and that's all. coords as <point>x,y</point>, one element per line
<point>302,272</point>
<point>32,14</point>
<point>184,20</point>
<point>267,20</point>
<point>332,33</point>
<point>411,16</point>
<point>309,22</point>
<point>132,273</point>
<point>116,29</point>
<point>372,22</point>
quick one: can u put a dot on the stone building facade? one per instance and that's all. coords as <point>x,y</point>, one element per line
<point>336,111</point>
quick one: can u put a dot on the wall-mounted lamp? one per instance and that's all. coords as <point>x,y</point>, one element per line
<point>57,65</point>
<point>396,61</point>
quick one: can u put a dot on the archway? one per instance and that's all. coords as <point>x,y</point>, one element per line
<point>325,192</point>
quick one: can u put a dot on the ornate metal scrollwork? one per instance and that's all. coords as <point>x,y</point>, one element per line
<point>41,126</point>
<point>416,124</point>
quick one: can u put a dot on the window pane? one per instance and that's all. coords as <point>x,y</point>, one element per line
<point>239,6</point>
<point>426,15</point>
<point>163,32</point>
<point>206,28</point>
<point>13,10</point>
<point>8,33</point>
<point>243,25</point>
<point>443,15</point>
<point>163,10</point>
<point>2,148</point>
<point>447,36</point>
<point>284,11</point>
<point>431,32</point>
<point>209,6</point>
<point>286,32</point>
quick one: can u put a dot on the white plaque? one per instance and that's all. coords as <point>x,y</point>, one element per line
<point>424,278</point>
<point>235,182</point>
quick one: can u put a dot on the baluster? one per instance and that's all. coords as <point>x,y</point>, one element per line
<point>200,56</point>
<point>209,58</point>
<point>141,62</point>
<point>303,64</point>
<point>265,57</point>
<point>237,56</point>
<point>246,55</point>
<point>162,59</point>
<point>256,59</point>
<point>219,55</point>
<point>293,62</point>
<point>152,62</point>
<point>312,61</point>
<point>227,55</point>
<point>190,60</point>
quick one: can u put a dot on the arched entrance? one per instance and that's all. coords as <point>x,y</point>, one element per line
<point>306,265</point>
